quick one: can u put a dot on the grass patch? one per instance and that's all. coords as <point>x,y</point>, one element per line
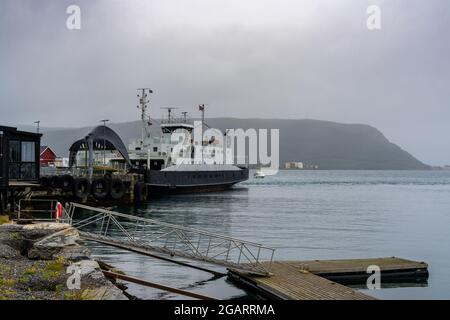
<point>15,236</point>
<point>59,288</point>
<point>6,294</point>
<point>4,219</point>
<point>54,269</point>
<point>74,295</point>
<point>4,268</point>
<point>49,275</point>
<point>24,279</point>
<point>56,265</point>
<point>5,282</point>
<point>30,271</point>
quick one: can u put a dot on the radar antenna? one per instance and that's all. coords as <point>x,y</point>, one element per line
<point>184,113</point>
<point>169,112</point>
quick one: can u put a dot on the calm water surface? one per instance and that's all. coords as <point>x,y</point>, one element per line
<point>310,215</point>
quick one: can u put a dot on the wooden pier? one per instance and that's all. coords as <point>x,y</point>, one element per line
<point>310,280</point>
<point>246,262</point>
<point>249,264</point>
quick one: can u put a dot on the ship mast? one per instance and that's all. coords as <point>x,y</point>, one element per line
<point>201,108</point>
<point>143,105</point>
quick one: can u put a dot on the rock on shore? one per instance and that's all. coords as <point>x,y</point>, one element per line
<point>45,260</point>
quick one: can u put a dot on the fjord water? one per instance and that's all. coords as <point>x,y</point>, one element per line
<point>310,215</point>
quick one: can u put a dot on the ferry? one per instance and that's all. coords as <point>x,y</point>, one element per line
<point>166,171</point>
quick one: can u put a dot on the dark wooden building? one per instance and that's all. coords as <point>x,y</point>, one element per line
<point>19,161</point>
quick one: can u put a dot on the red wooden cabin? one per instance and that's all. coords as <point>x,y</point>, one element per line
<point>47,156</point>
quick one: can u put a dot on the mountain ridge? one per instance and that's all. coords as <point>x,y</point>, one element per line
<point>330,145</point>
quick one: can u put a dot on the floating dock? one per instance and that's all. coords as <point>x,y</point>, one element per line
<point>354,271</point>
<point>311,280</point>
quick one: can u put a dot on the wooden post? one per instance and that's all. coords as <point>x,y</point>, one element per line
<point>133,182</point>
<point>156,285</point>
<point>2,201</point>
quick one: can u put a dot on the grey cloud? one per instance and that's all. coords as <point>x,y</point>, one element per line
<point>268,59</point>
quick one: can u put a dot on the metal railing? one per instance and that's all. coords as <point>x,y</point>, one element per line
<point>39,210</point>
<point>174,240</point>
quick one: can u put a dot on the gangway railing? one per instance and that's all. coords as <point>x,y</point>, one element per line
<point>39,210</point>
<point>148,234</point>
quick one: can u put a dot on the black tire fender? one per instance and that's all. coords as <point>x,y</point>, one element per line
<point>44,181</point>
<point>140,191</point>
<point>100,188</point>
<point>81,188</point>
<point>66,182</point>
<point>118,189</point>
<point>55,182</point>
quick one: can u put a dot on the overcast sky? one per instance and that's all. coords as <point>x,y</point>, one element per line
<point>244,58</point>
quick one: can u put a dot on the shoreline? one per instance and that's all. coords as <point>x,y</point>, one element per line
<point>48,261</point>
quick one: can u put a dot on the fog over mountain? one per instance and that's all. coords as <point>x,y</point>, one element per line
<point>329,145</point>
<point>290,59</point>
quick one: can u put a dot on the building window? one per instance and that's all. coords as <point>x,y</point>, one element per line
<point>22,160</point>
<point>155,149</point>
<point>28,152</point>
<point>14,151</point>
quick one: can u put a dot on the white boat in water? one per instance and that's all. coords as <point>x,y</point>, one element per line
<point>259,174</point>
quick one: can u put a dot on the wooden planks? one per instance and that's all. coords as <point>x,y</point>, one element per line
<point>23,184</point>
<point>311,280</point>
<point>290,283</point>
<point>319,267</point>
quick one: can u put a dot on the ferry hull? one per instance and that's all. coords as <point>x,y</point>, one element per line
<point>154,189</point>
<point>162,182</point>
